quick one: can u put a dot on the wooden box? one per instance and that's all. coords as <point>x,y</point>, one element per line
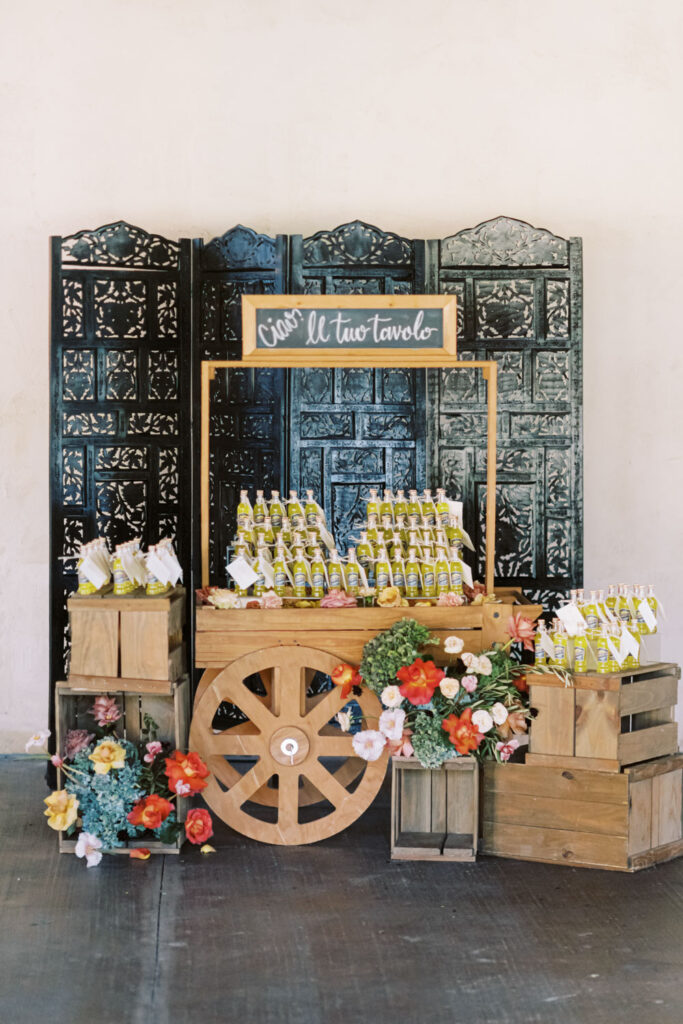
<point>604,722</point>
<point>167,702</point>
<point>136,637</point>
<point>620,822</point>
<point>434,812</point>
<point>223,635</point>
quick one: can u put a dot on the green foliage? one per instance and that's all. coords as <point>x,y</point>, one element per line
<point>430,741</point>
<point>105,800</point>
<point>391,650</point>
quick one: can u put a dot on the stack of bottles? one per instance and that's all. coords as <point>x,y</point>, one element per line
<point>606,634</point>
<point>157,570</point>
<point>414,544</point>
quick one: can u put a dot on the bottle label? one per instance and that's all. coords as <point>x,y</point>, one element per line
<point>443,579</point>
<point>318,578</point>
<point>280,578</point>
<point>603,654</point>
<point>352,579</point>
<point>560,652</point>
<point>592,620</point>
<point>456,579</point>
<point>428,577</point>
<point>382,579</point>
<point>335,579</point>
<point>276,520</point>
<point>624,615</point>
<point>579,655</point>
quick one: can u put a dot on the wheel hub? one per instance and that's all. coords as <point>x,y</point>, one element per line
<point>289,745</point>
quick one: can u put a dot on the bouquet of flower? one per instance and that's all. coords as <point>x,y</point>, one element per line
<point>476,705</point>
<point>116,790</point>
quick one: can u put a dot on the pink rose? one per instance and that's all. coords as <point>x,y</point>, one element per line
<point>105,710</point>
<point>153,749</point>
<point>76,741</point>
<point>506,750</point>
<point>338,599</point>
<point>469,683</point>
<point>450,600</point>
<point>57,761</point>
<point>271,600</point>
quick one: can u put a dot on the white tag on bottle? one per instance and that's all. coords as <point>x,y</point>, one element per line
<point>648,616</point>
<point>154,565</point>
<point>242,572</point>
<point>572,619</point>
<point>547,644</point>
<point>467,577</point>
<point>93,572</point>
<point>616,654</point>
<point>466,539</point>
<point>267,570</point>
<point>454,508</point>
<point>628,643</point>
<point>172,564</point>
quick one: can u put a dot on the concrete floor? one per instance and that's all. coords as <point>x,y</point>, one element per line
<point>330,933</point>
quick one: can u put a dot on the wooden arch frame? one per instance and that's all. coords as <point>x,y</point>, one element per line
<point>435,360</point>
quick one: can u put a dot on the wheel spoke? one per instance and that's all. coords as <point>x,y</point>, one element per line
<point>336,746</point>
<point>325,782</point>
<point>252,706</point>
<point>288,799</point>
<point>325,710</point>
<point>250,782</point>
<point>290,688</point>
<point>229,743</point>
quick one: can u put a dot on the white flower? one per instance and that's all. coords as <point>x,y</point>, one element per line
<point>90,847</point>
<point>39,739</point>
<point>499,713</point>
<point>449,687</point>
<point>369,744</point>
<point>482,720</point>
<point>344,720</point>
<point>391,696</point>
<point>484,665</point>
<point>391,723</point>
<point>453,645</point>
<point>223,598</point>
<point>183,788</point>
<point>469,660</point>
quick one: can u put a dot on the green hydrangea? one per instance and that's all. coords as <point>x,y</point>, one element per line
<point>105,800</point>
<point>391,650</point>
<point>430,742</point>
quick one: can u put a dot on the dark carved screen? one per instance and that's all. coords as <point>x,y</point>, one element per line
<point>120,416</point>
<point>354,428</point>
<point>519,301</point>
<point>247,406</point>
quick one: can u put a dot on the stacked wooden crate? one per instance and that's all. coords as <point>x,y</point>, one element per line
<point>130,648</point>
<point>602,782</point>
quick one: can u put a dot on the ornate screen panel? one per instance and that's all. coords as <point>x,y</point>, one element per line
<point>247,406</point>
<point>519,299</point>
<point>355,428</point>
<point>120,378</point>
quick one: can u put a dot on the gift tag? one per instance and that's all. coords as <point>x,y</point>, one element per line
<point>93,572</point>
<point>154,565</point>
<point>172,564</point>
<point>648,615</point>
<point>572,619</point>
<point>467,574</point>
<point>466,539</point>
<point>628,643</point>
<point>242,573</point>
<point>548,645</point>
<point>616,654</point>
<point>326,536</point>
<point>267,570</point>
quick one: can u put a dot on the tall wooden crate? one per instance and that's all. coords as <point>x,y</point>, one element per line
<point>434,812</point>
<point>604,722</point>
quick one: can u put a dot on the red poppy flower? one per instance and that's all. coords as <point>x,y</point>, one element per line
<point>462,732</point>
<point>151,811</point>
<point>187,768</point>
<point>347,677</point>
<point>198,826</point>
<point>521,629</point>
<point>419,680</point>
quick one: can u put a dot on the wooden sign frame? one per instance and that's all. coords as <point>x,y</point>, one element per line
<point>353,355</point>
<point>432,359</point>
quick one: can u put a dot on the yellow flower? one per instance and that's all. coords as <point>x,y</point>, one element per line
<point>61,810</point>
<point>390,597</point>
<point>107,755</point>
<point>207,849</point>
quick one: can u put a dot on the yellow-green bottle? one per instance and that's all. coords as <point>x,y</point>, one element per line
<point>652,601</point>
<point>603,652</point>
<point>398,572</point>
<point>246,536</point>
<point>386,507</point>
<point>580,653</point>
<point>560,646</point>
<point>295,513</point>
<point>364,551</point>
<point>311,510</point>
<point>400,505</point>
<point>456,571</point>
<point>317,574</point>
<point>352,573</point>
<point>613,632</point>
<point>286,531</point>
<point>428,507</point>
<point>412,574</point>
<point>590,612</point>
<point>280,571</point>
<point>428,578</point>
<point>540,656</point>
<point>387,528</point>
<point>382,570</point>
<point>443,572</point>
<point>402,528</point>
<point>372,506</point>
<point>372,531</point>
<point>260,508</point>
<point>611,599</point>
<point>268,531</point>
<point>443,510</point>
<point>260,583</point>
<point>623,610</point>
<point>276,510</point>
<point>335,571</point>
<point>300,573</point>
<point>454,531</point>
<point>639,597</point>
<point>396,545</point>
<point>244,509</point>
<point>414,506</point>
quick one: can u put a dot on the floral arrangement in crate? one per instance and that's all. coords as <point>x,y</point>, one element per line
<point>116,790</point>
<point>476,706</point>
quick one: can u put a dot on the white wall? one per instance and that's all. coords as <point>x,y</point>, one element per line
<point>422,117</point>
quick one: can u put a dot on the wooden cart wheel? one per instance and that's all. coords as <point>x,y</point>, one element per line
<point>346,773</point>
<point>288,738</point>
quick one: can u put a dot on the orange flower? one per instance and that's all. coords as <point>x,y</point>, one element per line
<point>198,826</point>
<point>188,769</point>
<point>462,732</point>
<point>520,683</point>
<point>521,629</point>
<point>151,811</point>
<point>347,677</point>
<point>419,680</point>
<point>515,722</point>
<point>140,853</point>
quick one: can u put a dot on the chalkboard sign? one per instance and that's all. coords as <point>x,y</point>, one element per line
<point>303,329</point>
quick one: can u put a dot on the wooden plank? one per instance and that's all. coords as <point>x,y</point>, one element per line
<point>557,846</point>
<point>636,772</point>
<point>612,682</point>
<point>591,764</point>
<point>459,847</point>
<point>648,743</point>
<point>95,642</point>
<point>648,694</point>
<point>640,816</point>
<point>461,801</point>
<point>114,684</point>
<point>657,856</point>
<point>666,809</point>
<point>128,602</point>
<point>554,781</point>
<point>144,644</point>
<point>177,662</point>
<point>550,812</point>
<point>598,724</point>
<point>552,731</point>
<point>418,846</point>
<point>438,801</point>
<point>416,801</point>
<point>372,620</point>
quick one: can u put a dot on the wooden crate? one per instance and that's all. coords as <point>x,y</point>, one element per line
<point>620,822</point>
<point>136,637</point>
<point>167,702</point>
<point>604,722</point>
<point>223,635</point>
<point>434,812</point>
